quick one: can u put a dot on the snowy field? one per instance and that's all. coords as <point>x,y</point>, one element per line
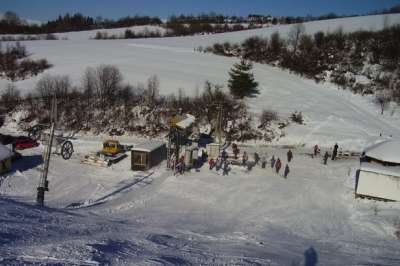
<point>98,216</point>
<point>331,115</point>
<point>116,216</point>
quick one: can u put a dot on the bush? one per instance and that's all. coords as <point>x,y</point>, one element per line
<point>267,116</point>
<point>297,117</point>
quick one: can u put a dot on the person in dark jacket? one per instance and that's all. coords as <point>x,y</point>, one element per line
<point>326,156</point>
<point>273,161</point>
<point>287,170</point>
<point>256,157</point>
<point>278,165</point>
<point>289,155</point>
<point>335,150</point>
<point>226,168</point>
<point>244,158</point>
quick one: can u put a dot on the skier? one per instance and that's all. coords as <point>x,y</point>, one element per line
<point>316,150</point>
<point>244,158</point>
<point>334,153</point>
<point>211,163</point>
<point>256,158</point>
<point>235,150</point>
<point>286,171</point>
<point>224,155</point>
<point>249,165</point>
<point>226,168</point>
<point>273,161</point>
<point>326,156</point>
<point>263,162</point>
<point>218,164</point>
<point>289,155</point>
<point>278,165</point>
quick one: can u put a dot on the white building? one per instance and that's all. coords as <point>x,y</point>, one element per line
<point>379,173</point>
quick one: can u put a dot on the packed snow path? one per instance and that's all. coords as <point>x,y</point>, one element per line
<point>260,218</point>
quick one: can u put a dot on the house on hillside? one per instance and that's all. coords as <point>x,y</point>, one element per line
<point>379,173</point>
<point>5,159</point>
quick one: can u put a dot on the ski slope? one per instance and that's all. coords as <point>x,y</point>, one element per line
<point>98,216</point>
<point>331,115</point>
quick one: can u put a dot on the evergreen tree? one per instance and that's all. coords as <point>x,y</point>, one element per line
<point>241,82</point>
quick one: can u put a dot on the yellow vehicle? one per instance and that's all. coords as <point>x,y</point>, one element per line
<point>112,147</point>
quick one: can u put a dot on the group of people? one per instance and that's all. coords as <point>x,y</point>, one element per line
<point>277,164</point>
<point>220,163</point>
<point>326,154</point>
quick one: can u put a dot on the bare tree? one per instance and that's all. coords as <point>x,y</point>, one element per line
<point>108,83</point>
<point>294,35</point>
<point>10,97</point>
<point>153,85</point>
<point>53,85</point>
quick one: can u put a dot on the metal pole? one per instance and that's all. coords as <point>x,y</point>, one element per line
<point>43,183</point>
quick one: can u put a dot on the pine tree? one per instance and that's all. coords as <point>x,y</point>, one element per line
<point>241,82</point>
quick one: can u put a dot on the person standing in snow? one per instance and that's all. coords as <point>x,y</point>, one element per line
<point>226,168</point>
<point>278,165</point>
<point>263,162</point>
<point>244,158</point>
<point>256,158</point>
<point>224,155</point>
<point>285,174</point>
<point>273,161</point>
<point>211,163</point>
<point>289,155</point>
<point>235,150</point>
<point>316,150</point>
<point>326,156</point>
<point>334,153</point>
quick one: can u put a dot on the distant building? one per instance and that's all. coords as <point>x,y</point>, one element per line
<point>5,159</point>
<point>379,173</point>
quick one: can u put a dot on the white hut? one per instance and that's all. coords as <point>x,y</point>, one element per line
<point>379,173</point>
<point>5,159</point>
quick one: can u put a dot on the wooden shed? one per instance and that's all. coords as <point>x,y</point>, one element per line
<point>379,173</point>
<point>5,159</point>
<point>148,154</point>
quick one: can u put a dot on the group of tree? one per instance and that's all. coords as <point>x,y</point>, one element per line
<point>15,64</point>
<point>337,56</point>
<point>12,24</point>
<point>103,101</point>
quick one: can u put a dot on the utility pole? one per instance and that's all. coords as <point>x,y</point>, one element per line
<point>219,122</point>
<point>44,183</point>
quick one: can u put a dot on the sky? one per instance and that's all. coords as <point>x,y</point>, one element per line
<point>44,10</point>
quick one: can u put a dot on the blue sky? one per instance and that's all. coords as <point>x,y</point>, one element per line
<point>50,9</point>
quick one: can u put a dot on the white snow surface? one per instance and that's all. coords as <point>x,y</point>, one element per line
<point>114,216</point>
<point>331,115</point>
<point>387,151</point>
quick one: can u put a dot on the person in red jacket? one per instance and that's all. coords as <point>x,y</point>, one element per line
<point>278,165</point>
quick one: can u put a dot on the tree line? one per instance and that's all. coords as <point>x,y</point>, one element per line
<point>337,56</point>
<point>12,24</point>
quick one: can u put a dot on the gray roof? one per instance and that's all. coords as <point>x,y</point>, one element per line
<point>148,145</point>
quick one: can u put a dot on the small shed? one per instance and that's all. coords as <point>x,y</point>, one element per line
<point>148,154</point>
<point>379,173</point>
<point>5,159</point>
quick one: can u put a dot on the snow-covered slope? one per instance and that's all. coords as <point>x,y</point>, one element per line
<point>99,216</point>
<point>331,115</point>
